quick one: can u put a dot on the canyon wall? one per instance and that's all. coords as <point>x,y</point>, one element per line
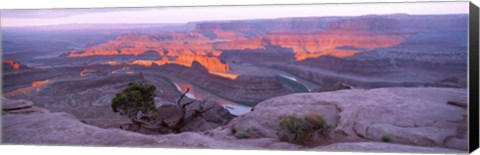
<point>308,37</point>
<point>12,65</point>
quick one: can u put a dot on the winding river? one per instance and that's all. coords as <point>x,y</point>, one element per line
<point>200,94</point>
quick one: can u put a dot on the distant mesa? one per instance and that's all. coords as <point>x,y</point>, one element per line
<point>362,33</point>
<point>212,64</point>
<point>317,37</point>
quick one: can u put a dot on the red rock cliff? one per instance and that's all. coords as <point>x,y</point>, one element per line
<point>12,64</point>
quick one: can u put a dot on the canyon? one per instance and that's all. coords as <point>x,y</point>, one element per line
<point>252,69</point>
<point>245,62</point>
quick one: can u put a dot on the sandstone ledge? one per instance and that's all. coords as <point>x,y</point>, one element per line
<point>417,120</point>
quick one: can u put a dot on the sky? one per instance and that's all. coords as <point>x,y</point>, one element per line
<point>16,18</point>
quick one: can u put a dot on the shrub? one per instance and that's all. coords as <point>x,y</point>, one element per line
<point>249,133</point>
<point>292,129</point>
<point>386,139</point>
<point>136,102</point>
<point>241,134</point>
<point>318,124</point>
<point>302,129</point>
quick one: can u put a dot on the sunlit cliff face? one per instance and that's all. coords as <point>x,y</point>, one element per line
<point>146,63</point>
<point>138,44</point>
<point>113,63</point>
<point>15,65</point>
<point>213,64</point>
<point>313,45</point>
<point>37,83</point>
<point>340,38</point>
<point>304,45</point>
<point>36,86</point>
<point>226,75</point>
<point>86,72</point>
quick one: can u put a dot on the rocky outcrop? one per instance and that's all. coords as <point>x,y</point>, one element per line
<point>65,129</point>
<point>173,116</point>
<point>407,118</point>
<point>336,86</point>
<point>137,44</point>
<point>412,116</point>
<point>13,66</point>
<point>213,64</point>
<point>244,89</point>
<point>329,42</point>
<point>20,107</point>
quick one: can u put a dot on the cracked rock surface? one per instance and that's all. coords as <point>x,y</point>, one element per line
<point>411,116</point>
<point>415,119</point>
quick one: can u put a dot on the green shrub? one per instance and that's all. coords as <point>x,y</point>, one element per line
<point>241,134</point>
<point>292,129</point>
<point>249,133</point>
<point>318,124</point>
<point>302,129</point>
<point>386,139</point>
<point>136,102</point>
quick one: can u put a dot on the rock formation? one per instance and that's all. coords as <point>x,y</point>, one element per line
<point>20,107</point>
<point>406,117</point>
<point>13,66</point>
<point>353,115</point>
<point>244,89</point>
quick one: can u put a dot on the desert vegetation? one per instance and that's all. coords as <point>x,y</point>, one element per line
<point>386,139</point>
<point>300,130</point>
<point>249,133</point>
<point>136,101</point>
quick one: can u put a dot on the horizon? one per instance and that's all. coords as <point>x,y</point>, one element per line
<point>185,15</point>
<point>213,21</point>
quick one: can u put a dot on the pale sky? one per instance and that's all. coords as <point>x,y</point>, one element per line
<point>13,18</point>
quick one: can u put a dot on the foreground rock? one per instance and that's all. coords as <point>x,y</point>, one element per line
<point>20,107</point>
<point>412,116</point>
<point>415,119</point>
<point>171,114</point>
<point>65,129</point>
